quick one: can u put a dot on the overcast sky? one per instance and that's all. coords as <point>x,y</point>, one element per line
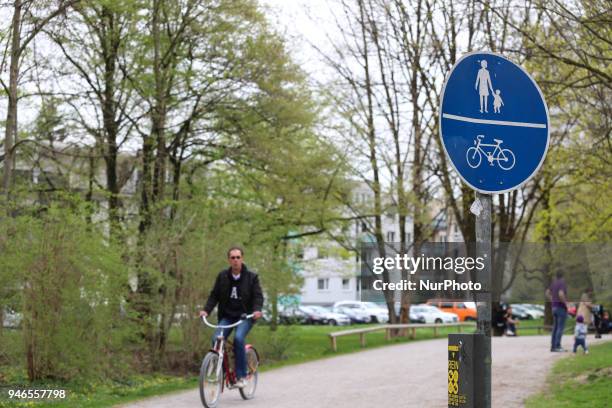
<point>304,23</point>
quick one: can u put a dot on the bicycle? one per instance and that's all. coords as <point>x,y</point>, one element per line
<point>218,369</point>
<point>504,157</point>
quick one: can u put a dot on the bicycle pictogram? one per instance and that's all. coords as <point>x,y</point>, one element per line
<point>504,157</point>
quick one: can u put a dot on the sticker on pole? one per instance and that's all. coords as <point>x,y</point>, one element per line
<point>494,122</point>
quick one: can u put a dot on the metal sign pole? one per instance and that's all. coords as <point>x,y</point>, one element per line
<point>483,249</point>
<point>495,130</point>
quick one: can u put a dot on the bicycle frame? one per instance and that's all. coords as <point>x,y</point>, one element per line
<point>497,149</point>
<point>219,348</point>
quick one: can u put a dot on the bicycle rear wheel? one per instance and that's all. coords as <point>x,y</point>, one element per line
<point>248,392</point>
<point>473,157</point>
<point>210,380</point>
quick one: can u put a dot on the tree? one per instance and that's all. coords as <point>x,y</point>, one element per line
<point>97,41</point>
<point>219,91</point>
<point>68,283</point>
<point>27,22</point>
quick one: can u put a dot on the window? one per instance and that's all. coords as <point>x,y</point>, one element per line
<point>391,236</point>
<point>408,237</point>
<point>323,284</point>
<point>346,284</point>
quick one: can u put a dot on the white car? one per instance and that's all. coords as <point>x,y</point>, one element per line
<point>355,315</point>
<point>532,312</point>
<point>333,319</point>
<point>431,314</point>
<point>373,312</point>
<point>378,312</point>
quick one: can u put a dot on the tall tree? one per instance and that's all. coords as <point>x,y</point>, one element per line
<point>97,43</point>
<point>27,22</point>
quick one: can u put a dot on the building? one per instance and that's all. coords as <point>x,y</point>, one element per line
<point>331,271</point>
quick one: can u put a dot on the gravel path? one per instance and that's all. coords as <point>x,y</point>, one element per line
<point>404,375</point>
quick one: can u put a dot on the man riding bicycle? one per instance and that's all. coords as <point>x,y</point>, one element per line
<point>236,291</point>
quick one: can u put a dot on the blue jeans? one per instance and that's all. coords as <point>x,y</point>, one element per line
<point>559,317</point>
<point>580,342</point>
<point>239,341</point>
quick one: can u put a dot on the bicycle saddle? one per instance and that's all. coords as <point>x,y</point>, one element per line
<point>498,141</point>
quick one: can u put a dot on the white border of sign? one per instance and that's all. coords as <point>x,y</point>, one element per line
<point>440,122</point>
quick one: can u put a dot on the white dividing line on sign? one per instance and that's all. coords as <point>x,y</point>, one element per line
<point>494,122</point>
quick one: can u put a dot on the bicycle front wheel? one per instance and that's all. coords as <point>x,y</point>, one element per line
<point>506,162</point>
<point>248,392</point>
<point>211,380</point>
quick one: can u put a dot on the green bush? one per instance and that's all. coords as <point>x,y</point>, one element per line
<point>273,345</point>
<point>67,280</point>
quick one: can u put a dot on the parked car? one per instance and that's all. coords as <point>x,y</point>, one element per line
<point>411,316</point>
<point>376,313</point>
<point>313,315</point>
<point>379,313</point>
<point>532,311</point>
<point>291,315</point>
<point>431,314</point>
<point>333,319</point>
<point>353,311</point>
<point>519,312</point>
<point>459,308</point>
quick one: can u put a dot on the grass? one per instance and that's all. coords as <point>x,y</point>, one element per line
<point>314,342</point>
<point>104,393</point>
<point>530,327</point>
<point>578,381</point>
<point>289,345</point>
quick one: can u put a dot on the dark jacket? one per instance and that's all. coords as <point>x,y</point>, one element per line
<point>250,292</point>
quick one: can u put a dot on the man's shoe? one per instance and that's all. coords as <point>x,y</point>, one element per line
<point>560,350</point>
<point>241,383</point>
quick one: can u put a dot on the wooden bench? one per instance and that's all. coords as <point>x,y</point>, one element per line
<point>361,332</point>
<point>410,327</point>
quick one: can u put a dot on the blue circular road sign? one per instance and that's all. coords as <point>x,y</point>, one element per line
<point>494,122</point>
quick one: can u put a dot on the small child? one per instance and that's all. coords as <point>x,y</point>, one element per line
<point>497,101</point>
<point>580,332</point>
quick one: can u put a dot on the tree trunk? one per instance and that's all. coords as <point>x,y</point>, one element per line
<point>373,156</point>
<point>11,116</point>
<point>547,271</point>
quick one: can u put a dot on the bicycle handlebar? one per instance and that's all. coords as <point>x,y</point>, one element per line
<point>216,326</point>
